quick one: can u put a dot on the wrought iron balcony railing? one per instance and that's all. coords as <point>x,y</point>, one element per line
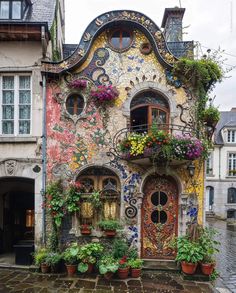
<point>170,130</point>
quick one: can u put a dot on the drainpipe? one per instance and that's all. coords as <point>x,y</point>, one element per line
<point>44,161</point>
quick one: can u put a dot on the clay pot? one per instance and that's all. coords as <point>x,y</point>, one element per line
<point>90,268</point>
<point>55,268</point>
<point>45,268</point>
<point>71,269</point>
<point>110,233</point>
<point>188,267</point>
<point>207,268</point>
<point>135,273</point>
<point>123,273</point>
<point>108,275</point>
<point>85,231</point>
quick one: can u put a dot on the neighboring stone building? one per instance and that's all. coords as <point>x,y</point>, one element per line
<point>127,50</point>
<point>221,169</point>
<point>30,31</point>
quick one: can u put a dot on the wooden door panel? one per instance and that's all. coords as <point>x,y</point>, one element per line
<point>159,217</point>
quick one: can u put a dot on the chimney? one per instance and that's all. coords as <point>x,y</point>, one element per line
<point>233,110</point>
<point>172,24</point>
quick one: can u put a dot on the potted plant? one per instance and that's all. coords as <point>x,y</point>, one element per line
<point>70,256</point>
<point>123,270</point>
<point>40,259</point>
<point>209,246</point>
<point>86,229</point>
<point>53,259</point>
<point>211,116</point>
<point>108,265</point>
<point>88,255</point>
<point>136,267</point>
<point>109,227</point>
<point>189,253</point>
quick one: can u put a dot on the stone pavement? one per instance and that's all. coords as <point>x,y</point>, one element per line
<point>161,282</point>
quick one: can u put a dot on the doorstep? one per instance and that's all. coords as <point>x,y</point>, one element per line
<point>196,277</point>
<point>160,265</point>
<point>31,268</point>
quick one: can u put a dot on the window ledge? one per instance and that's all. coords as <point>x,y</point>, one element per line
<point>18,139</point>
<point>230,177</point>
<point>230,204</point>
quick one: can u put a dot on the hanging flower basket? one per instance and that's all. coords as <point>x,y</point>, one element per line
<point>104,93</point>
<point>78,84</point>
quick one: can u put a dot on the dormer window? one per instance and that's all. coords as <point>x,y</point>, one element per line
<point>231,136</point>
<point>11,9</point>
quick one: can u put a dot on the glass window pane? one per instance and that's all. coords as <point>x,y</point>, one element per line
<point>8,97</point>
<point>4,9</point>
<point>24,112</point>
<point>8,82</point>
<point>24,82</point>
<point>8,112</point>
<point>16,9</point>
<point>24,127</point>
<point>24,97</point>
<point>8,127</point>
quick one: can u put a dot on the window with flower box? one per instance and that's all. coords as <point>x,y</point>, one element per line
<point>99,186</point>
<point>15,97</point>
<point>232,164</point>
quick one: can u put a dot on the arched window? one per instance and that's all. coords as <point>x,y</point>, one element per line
<point>120,39</point>
<point>149,108</point>
<point>75,104</point>
<point>104,184</point>
<point>232,195</point>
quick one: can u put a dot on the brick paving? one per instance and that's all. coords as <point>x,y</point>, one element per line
<point>158,282</point>
<point>226,259</point>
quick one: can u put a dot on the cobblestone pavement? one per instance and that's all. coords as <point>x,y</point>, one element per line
<point>226,259</point>
<point>27,282</point>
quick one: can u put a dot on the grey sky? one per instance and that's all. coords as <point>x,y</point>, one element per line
<point>211,22</point>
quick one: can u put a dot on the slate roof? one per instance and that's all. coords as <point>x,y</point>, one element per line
<point>227,119</point>
<point>40,11</point>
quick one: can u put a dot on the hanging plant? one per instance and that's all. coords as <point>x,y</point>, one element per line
<point>78,83</point>
<point>104,93</point>
<point>55,202</point>
<point>73,197</point>
<point>94,199</point>
<point>211,116</point>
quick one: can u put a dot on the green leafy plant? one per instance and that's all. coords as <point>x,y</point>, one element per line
<point>40,256</point>
<point>88,254</point>
<point>55,201</point>
<point>123,263</point>
<point>108,264</point>
<point>135,263</point>
<point>189,251</point>
<point>53,258</point>
<point>208,243</point>
<point>73,198</point>
<point>109,225</point>
<point>94,199</point>
<point>132,253</point>
<point>120,248</point>
<point>70,255</point>
<point>211,115</point>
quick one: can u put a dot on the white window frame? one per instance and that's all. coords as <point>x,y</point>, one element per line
<point>210,160</point>
<point>231,136</point>
<point>231,174</point>
<point>16,104</point>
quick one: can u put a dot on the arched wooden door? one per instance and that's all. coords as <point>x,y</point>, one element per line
<point>159,217</point>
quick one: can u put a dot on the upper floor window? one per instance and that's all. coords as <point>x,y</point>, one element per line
<point>120,39</point>
<point>232,164</point>
<point>231,136</point>
<point>209,164</point>
<point>75,104</point>
<point>232,195</point>
<point>15,111</point>
<point>11,9</point>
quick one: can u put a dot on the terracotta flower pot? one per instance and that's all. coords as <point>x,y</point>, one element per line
<point>110,233</point>
<point>108,275</point>
<point>85,231</point>
<point>188,267</point>
<point>71,269</point>
<point>45,268</point>
<point>207,268</point>
<point>123,273</point>
<point>135,273</point>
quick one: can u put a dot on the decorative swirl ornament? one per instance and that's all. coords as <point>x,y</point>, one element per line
<point>131,211</point>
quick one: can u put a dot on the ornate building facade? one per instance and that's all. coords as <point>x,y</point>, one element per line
<point>150,196</point>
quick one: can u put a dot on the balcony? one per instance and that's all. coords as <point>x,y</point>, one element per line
<point>159,143</point>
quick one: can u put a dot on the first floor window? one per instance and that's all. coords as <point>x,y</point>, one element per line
<point>209,169</point>
<point>232,164</point>
<point>231,195</point>
<point>15,110</point>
